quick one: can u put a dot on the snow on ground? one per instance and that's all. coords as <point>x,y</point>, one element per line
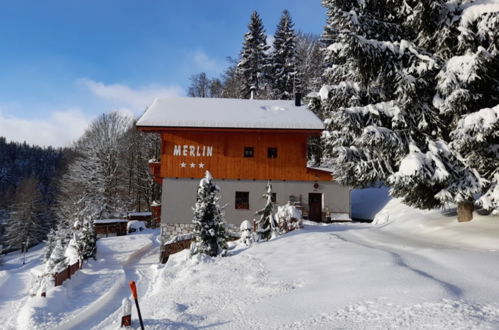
<point>15,283</point>
<point>409,270</point>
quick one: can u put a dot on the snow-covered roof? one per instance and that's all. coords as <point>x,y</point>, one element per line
<point>229,113</point>
<point>139,214</point>
<point>109,220</point>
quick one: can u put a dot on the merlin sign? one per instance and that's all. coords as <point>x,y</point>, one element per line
<point>192,151</point>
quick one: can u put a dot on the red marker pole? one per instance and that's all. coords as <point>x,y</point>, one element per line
<point>133,288</point>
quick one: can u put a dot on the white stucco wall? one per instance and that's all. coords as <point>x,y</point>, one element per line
<point>179,196</point>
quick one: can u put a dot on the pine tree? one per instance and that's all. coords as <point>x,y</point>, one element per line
<point>25,227</point>
<point>393,98</point>
<point>209,226</point>
<point>467,97</point>
<point>374,101</point>
<point>87,240</point>
<point>266,223</point>
<point>57,260</point>
<point>284,79</point>
<point>253,64</point>
<point>476,137</point>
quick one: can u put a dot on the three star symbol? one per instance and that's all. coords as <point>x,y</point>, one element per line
<point>192,165</point>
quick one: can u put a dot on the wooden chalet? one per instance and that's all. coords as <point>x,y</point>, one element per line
<point>243,143</point>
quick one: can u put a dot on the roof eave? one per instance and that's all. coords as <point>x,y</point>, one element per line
<point>160,129</point>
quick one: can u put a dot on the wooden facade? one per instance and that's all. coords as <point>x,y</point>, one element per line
<point>188,153</point>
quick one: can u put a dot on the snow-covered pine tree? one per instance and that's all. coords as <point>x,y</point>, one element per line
<point>284,79</point>
<point>468,97</point>
<point>57,260</point>
<point>266,224</point>
<point>375,102</point>
<point>253,62</point>
<point>87,240</point>
<point>476,137</point>
<point>209,226</point>
<point>25,227</point>
<point>383,124</point>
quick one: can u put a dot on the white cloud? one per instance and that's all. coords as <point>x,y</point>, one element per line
<point>59,129</point>
<point>206,63</point>
<point>135,99</point>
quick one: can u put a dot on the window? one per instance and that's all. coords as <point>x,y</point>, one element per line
<point>242,200</point>
<point>249,152</point>
<point>273,197</point>
<point>272,152</point>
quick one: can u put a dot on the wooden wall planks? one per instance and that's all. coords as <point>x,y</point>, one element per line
<point>186,154</point>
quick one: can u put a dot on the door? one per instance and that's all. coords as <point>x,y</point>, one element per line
<point>315,207</point>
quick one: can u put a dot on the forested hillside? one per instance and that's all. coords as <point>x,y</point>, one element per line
<point>29,172</point>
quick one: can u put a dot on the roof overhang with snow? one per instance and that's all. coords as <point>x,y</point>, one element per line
<point>216,113</point>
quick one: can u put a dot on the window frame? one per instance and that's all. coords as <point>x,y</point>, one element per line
<point>241,200</point>
<point>249,152</point>
<point>272,152</point>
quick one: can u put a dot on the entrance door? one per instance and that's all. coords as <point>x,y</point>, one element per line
<point>315,207</point>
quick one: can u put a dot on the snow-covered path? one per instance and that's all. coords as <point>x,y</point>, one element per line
<point>95,291</point>
<point>357,276</point>
<point>15,283</point>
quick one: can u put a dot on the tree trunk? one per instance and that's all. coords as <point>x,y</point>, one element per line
<point>465,211</point>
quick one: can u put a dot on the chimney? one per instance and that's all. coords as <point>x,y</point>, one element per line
<point>298,99</point>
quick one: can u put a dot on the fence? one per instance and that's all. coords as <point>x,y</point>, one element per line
<point>183,242</point>
<point>60,277</point>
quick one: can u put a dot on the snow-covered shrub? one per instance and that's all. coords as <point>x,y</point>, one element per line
<point>209,227</point>
<point>289,217</point>
<point>246,233</point>
<point>135,226</point>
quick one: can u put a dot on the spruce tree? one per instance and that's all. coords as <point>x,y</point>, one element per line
<point>284,79</point>
<point>209,226</point>
<point>87,240</point>
<point>25,226</point>
<point>266,223</point>
<point>253,63</point>
<point>396,89</point>
<point>374,99</point>
<point>57,260</point>
<point>467,97</point>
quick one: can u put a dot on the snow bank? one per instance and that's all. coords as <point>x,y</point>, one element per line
<point>439,226</point>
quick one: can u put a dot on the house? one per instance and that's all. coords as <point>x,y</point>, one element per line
<point>244,144</point>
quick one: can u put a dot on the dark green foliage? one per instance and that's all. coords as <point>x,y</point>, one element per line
<point>266,223</point>
<point>284,80</point>
<point>209,226</point>
<point>253,63</point>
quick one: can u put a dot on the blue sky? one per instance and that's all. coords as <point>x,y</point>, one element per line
<point>63,62</point>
